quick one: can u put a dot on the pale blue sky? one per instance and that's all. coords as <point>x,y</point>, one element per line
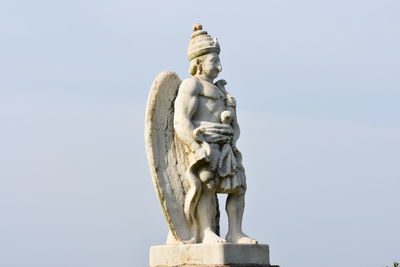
<point>318,91</point>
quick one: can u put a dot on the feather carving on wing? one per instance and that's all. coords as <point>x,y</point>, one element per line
<point>167,161</point>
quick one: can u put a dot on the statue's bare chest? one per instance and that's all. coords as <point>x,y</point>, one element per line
<point>210,104</point>
<point>211,95</point>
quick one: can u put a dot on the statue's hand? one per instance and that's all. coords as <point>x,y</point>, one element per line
<point>223,129</point>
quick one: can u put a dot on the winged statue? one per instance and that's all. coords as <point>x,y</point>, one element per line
<point>191,133</point>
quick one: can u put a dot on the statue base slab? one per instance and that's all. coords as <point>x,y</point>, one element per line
<point>210,255</point>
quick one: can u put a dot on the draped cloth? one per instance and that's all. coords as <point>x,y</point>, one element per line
<point>224,161</point>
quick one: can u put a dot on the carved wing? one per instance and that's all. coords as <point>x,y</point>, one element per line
<point>166,160</point>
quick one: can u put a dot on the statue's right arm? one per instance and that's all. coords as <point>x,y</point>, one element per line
<point>186,104</point>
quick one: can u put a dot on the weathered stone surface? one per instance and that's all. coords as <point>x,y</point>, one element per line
<point>191,134</point>
<point>226,254</point>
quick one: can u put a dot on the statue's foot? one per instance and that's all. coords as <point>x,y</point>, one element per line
<point>211,238</point>
<point>240,238</point>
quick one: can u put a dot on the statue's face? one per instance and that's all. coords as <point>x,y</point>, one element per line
<point>211,65</point>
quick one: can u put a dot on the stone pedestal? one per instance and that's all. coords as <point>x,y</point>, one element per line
<point>210,255</point>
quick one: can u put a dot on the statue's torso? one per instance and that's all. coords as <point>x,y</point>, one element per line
<point>210,104</point>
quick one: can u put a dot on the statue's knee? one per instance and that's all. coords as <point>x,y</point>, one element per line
<point>205,174</point>
<point>207,178</point>
<point>241,191</point>
<point>211,186</point>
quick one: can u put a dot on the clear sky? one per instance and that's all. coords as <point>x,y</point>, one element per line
<point>318,91</point>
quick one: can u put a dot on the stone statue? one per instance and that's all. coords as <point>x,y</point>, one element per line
<point>191,134</point>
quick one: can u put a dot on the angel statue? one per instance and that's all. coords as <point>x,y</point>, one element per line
<point>191,134</point>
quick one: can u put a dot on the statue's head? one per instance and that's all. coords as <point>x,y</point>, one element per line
<point>203,53</point>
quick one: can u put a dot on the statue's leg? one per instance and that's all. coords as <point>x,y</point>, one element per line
<point>205,210</point>
<point>234,208</point>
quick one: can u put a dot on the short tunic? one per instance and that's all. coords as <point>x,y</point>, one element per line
<point>224,162</point>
